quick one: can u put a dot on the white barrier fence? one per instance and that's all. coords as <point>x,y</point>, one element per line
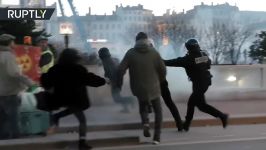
<point>230,82</point>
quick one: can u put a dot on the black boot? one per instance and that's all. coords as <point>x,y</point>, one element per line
<point>224,120</point>
<point>83,145</point>
<point>186,126</point>
<point>146,130</point>
<point>180,126</point>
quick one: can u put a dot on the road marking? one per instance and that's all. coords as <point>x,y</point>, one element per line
<point>186,143</point>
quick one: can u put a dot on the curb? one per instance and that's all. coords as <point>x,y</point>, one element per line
<point>72,144</point>
<point>170,124</point>
<point>121,141</point>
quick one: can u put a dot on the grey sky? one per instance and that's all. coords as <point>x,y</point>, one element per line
<point>158,6</point>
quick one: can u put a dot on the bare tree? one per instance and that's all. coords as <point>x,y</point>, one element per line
<point>236,36</point>
<point>225,40</point>
<point>178,29</point>
<point>215,41</point>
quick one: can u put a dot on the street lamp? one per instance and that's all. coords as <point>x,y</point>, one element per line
<point>231,78</point>
<point>66,29</point>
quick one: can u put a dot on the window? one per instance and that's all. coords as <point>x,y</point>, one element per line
<point>100,26</point>
<point>113,26</point>
<point>94,26</point>
<point>113,36</point>
<point>106,36</point>
<point>93,35</point>
<point>107,26</point>
<point>109,36</point>
<point>101,36</point>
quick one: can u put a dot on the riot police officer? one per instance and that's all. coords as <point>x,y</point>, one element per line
<point>197,64</point>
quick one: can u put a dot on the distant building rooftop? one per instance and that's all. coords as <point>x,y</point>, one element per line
<point>139,7</point>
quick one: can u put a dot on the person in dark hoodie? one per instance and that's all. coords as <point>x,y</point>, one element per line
<point>110,66</point>
<point>68,80</point>
<point>197,64</point>
<point>146,71</point>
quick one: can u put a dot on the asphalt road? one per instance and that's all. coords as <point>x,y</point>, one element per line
<point>254,144</point>
<point>246,137</point>
<point>251,137</point>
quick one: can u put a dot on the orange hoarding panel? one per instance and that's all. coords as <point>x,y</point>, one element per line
<point>28,58</point>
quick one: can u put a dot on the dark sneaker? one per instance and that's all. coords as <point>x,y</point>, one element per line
<point>156,139</point>
<point>156,142</point>
<point>146,131</point>
<point>54,121</point>
<point>51,130</point>
<point>180,129</point>
<point>224,120</point>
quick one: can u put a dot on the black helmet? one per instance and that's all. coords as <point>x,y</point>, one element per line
<point>192,44</point>
<point>104,53</point>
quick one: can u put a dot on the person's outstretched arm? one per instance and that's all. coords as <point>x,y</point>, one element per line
<point>89,78</point>
<point>94,80</point>
<point>122,68</point>
<point>178,62</point>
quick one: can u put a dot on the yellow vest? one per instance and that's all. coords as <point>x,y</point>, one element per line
<point>45,68</point>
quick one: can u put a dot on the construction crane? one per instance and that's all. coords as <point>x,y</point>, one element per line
<point>61,8</point>
<point>79,25</point>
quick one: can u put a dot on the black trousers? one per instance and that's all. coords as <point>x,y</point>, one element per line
<point>9,116</point>
<point>144,114</point>
<point>166,95</point>
<point>79,115</point>
<point>197,99</point>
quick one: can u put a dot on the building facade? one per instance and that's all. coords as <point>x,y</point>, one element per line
<point>119,29</point>
<point>116,31</point>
